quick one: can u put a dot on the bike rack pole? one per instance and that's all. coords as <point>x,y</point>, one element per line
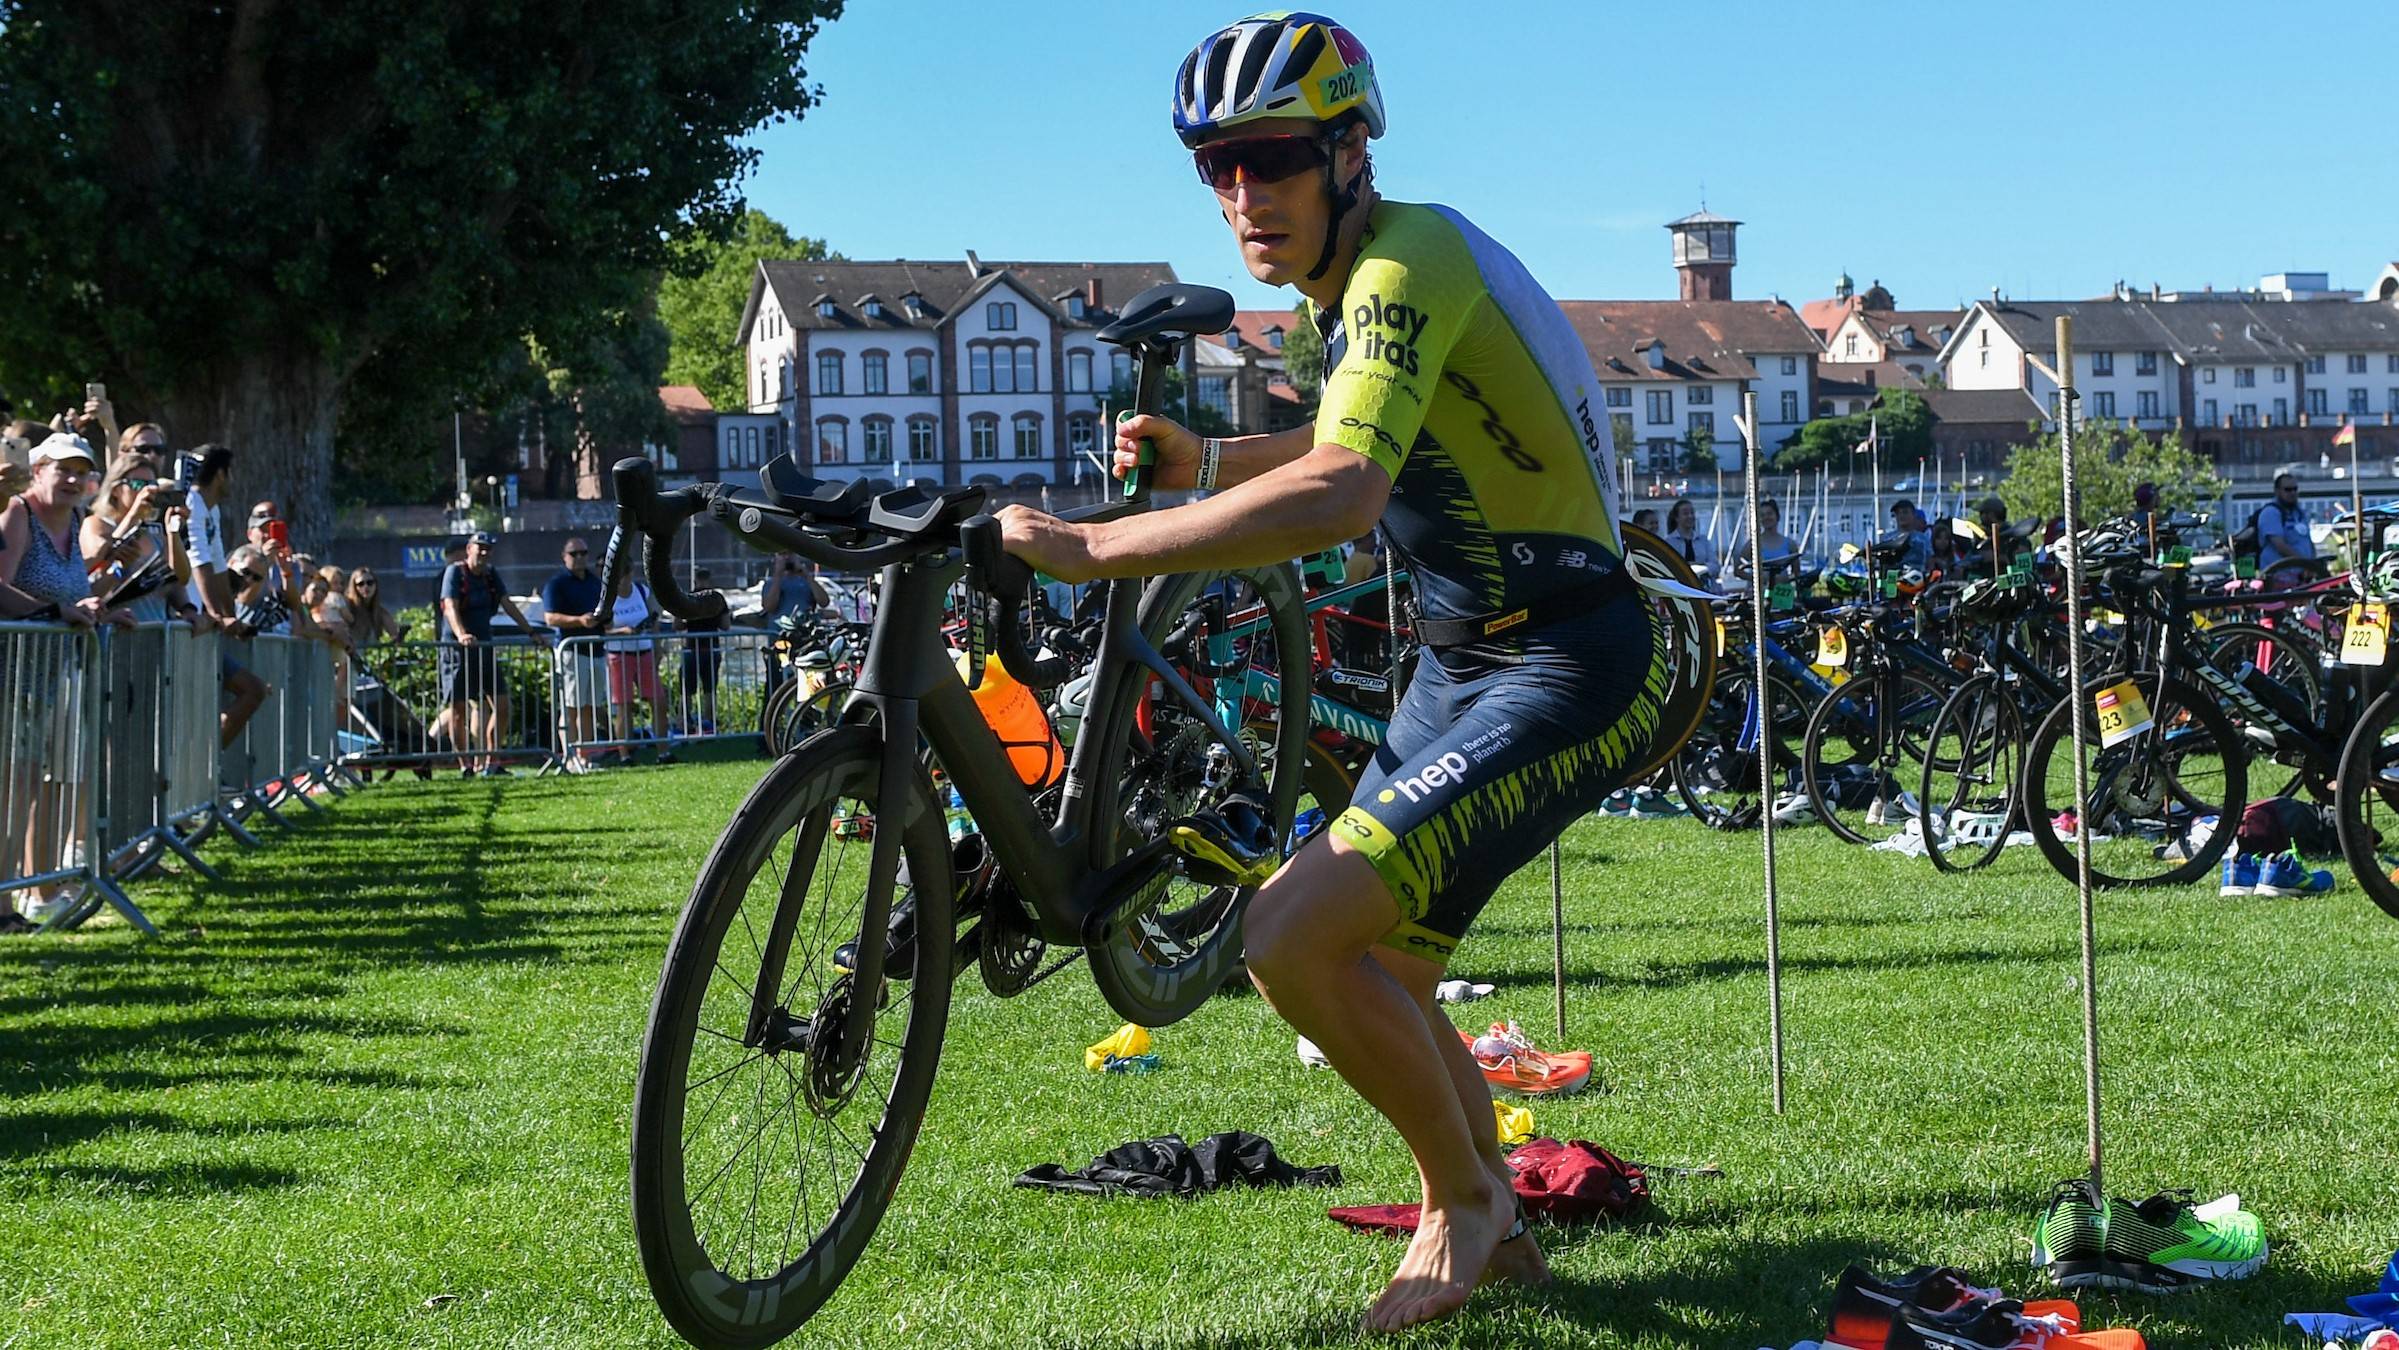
<point>1557,937</point>
<point>2082,750</point>
<point>1765,698</point>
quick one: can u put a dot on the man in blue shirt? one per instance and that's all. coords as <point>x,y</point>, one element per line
<point>570,602</point>
<point>471,593</point>
<point>2282,530</point>
<point>1907,520</point>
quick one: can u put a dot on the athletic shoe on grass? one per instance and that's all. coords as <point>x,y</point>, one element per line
<point>1866,1305</point>
<point>2239,875</point>
<point>2164,1244</point>
<point>2071,1238</point>
<point>2006,1325</point>
<point>2285,874</point>
<point>1510,1060</point>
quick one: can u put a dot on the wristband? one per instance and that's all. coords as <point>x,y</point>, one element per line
<point>1211,452</point>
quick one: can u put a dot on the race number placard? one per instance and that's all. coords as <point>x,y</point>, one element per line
<point>1832,649</point>
<point>2123,713</point>
<point>1784,596</point>
<point>2368,639</point>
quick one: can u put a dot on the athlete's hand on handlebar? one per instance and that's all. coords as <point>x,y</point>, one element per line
<point>1051,545</point>
<point>1178,452</point>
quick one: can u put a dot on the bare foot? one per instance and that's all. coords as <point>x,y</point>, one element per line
<point>1445,1262</point>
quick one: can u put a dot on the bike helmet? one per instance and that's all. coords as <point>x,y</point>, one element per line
<point>2097,550</point>
<point>1909,580</point>
<point>1845,581</point>
<point>1283,64</point>
<point>2380,578</point>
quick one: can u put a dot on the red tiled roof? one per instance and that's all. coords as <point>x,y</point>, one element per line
<point>684,402</point>
<point>1823,316</point>
<point>1703,339</point>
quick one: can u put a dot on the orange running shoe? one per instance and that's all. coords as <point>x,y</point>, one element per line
<point>1510,1060</point>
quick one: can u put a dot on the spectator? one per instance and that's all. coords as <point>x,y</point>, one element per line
<point>132,540</point>
<point>792,588</point>
<point>633,666</point>
<point>263,519</point>
<point>700,662</point>
<point>211,589</point>
<point>371,621</point>
<point>41,552</point>
<point>1908,522</point>
<point>1773,544</point>
<point>445,724</point>
<point>1682,535</point>
<point>2283,536</point>
<point>1944,555</point>
<point>471,691</point>
<point>570,603</point>
<point>371,703</point>
<point>1646,520</point>
<point>266,597</point>
<point>16,455</point>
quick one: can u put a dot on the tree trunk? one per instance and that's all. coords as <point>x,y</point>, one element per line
<point>276,411</point>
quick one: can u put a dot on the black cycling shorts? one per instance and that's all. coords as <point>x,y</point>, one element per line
<point>1492,754</point>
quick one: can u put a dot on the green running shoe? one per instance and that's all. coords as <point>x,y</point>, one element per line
<point>2070,1239</point>
<point>2164,1244</point>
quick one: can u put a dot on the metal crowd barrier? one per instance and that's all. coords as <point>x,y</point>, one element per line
<point>657,690</point>
<point>113,759</point>
<point>396,714</point>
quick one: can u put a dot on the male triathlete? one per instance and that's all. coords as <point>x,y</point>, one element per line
<point>1461,414</point>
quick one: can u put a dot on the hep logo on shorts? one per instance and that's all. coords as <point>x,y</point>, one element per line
<point>1450,768</point>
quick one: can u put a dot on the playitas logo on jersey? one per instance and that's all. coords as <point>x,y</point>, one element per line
<point>1450,768</point>
<point>1397,346</point>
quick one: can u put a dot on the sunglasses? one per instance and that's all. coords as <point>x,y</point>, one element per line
<point>137,484</point>
<point>1223,165</point>
<point>578,553</point>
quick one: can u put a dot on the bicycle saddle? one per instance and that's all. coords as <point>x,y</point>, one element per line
<point>920,510</point>
<point>792,489</point>
<point>2020,532</point>
<point>1172,310</point>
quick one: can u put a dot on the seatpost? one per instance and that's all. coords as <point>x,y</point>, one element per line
<point>1151,359</point>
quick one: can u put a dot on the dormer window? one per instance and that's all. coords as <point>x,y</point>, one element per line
<point>1075,308</point>
<point>1232,338</point>
<point>1656,352</point>
<point>1274,338</point>
<point>872,306</point>
<point>825,308</point>
<point>914,303</point>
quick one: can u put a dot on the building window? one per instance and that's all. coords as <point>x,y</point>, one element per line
<point>783,378</point>
<point>2103,363</point>
<point>1216,395</point>
<point>732,447</point>
<point>1078,372</point>
<point>828,372</point>
<point>2103,403</point>
<point>1620,427</point>
<point>1025,383</point>
<point>1664,453</point>
<point>824,309</point>
<point>1120,370</point>
<point>920,372</point>
<point>1075,309</point>
<point>2357,363</point>
<point>983,437</point>
<point>2391,364</point>
<point>2207,375</point>
<point>1701,395</point>
<point>2315,365</point>
<point>877,368</point>
<point>2357,399</point>
<point>878,439</point>
<point>1274,339</point>
<point>2245,378</point>
<point>1028,438</point>
<point>1790,405</point>
<point>2148,402</point>
<point>2393,406</point>
<point>1619,396</point>
<point>1080,435</point>
<point>2282,410</point>
<point>2207,412</point>
<point>2144,363</point>
<point>978,370</point>
<point>1704,421</point>
<point>749,445</point>
<point>873,307</point>
<point>920,439</point>
<point>2282,374</point>
<point>2317,400</point>
<point>832,442</point>
<point>1661,407</point>
<point>2245,414</point>
<point>1000,316</point>
<point>1849,347</point>
<point>1790,367</point>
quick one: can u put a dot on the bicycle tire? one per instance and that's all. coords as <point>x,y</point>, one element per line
<point>1982,717</point>
<point>1714,776</point>
<point>2192,732</point>
<point>1844,724</point>
<point>1167,955</point>
<point>2294,659</point>
<point>770,717</point>
<point>701,1296</point>
<point>2366,805</point>
<point>804,717</point>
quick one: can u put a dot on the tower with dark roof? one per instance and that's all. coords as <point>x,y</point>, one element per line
<point>1703,254</point>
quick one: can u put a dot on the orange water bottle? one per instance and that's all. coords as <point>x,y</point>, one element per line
<point>1015,716</point>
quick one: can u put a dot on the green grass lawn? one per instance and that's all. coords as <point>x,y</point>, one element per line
<point>373,1090</point>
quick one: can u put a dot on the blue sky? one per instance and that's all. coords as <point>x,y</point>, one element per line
<point>2048,149</point>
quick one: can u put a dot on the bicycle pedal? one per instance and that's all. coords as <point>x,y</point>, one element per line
<point>1224,858</point>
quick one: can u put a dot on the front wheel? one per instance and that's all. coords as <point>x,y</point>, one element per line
<point>764,1153</point>
<point>2148,794</point>
<point>2367,802</point>
<point>1181,939</point>
<point>1972,782</point>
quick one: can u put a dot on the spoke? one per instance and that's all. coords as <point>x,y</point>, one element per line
<point>691,1128</point>
<point>719,1174</point>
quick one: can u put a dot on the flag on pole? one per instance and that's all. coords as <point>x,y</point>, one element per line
<point>2347,435</point>
<point>1866,446</point>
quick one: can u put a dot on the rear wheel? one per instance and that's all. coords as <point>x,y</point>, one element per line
<point>1180,940</point>
<point>805,714</point>
<point>764,1153</point>
<point>2367,802</point>
<point>2146,793</point>
<point>1865,751</point>
<point>1716,768</point>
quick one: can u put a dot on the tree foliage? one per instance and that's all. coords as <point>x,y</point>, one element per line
<point>1303,354</point>
<point>1904,432</point>
<point>2110,463</point>
<point>1699,450</point>
<point>242,214</point>
<point>701,299</point>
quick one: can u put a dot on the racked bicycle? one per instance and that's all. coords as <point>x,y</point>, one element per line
<point>790,1054</point>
